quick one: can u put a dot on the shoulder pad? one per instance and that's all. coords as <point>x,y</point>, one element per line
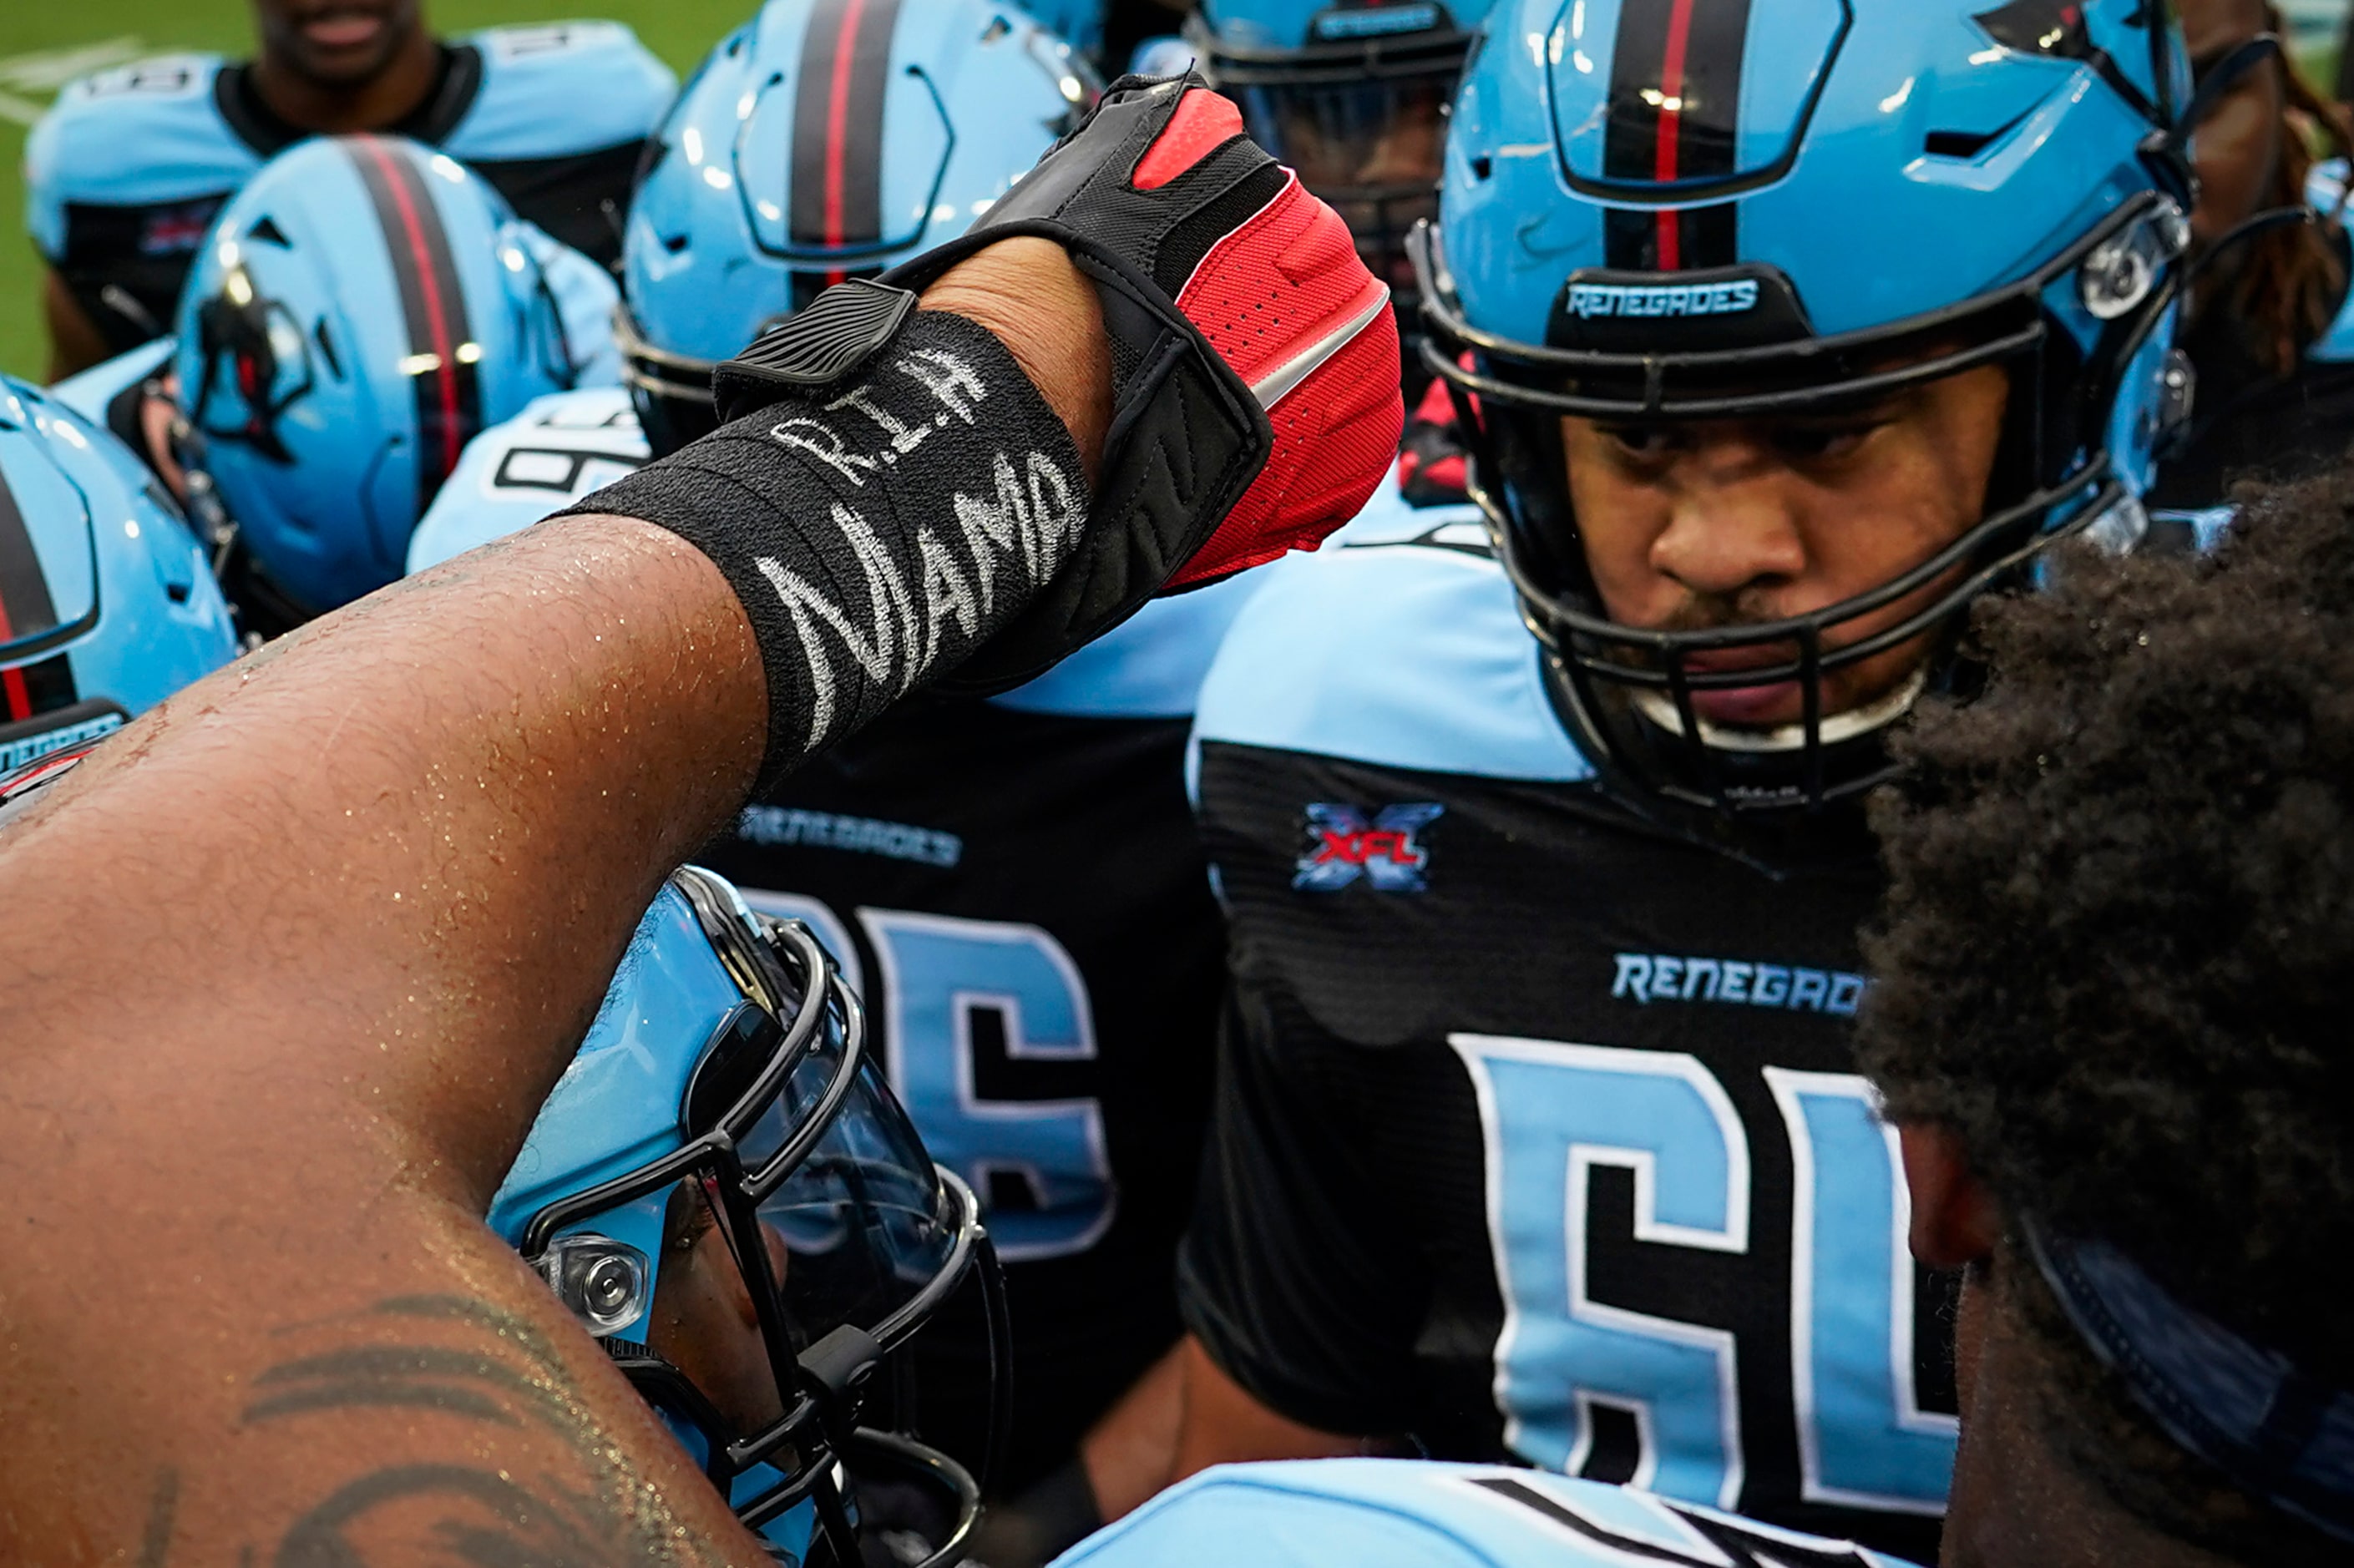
<point>1392,1513</point>
<point>558,89</point>
<point>131,136</point>
<point>1402,655</point>
<point>1150,666</point>
<point>557,451</point>
<point>88,392</point>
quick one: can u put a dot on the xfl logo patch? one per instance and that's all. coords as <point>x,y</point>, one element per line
<point>1343,845</point>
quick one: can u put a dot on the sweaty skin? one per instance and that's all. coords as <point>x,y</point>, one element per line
<point>1726,522</point>
<point>293,961</point>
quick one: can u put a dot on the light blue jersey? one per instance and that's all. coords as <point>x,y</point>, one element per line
<point>557,451</point>
<point>1395,1513</point>
<point>125,172</point>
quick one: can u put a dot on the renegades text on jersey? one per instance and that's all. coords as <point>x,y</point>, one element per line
<point>1538,1134</point>
<point>126,171</point>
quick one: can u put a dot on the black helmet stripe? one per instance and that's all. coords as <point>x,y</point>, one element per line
<point>837,195</point>
<point>1675,103</point>
<point>433,304</point>
<point>26,608</point>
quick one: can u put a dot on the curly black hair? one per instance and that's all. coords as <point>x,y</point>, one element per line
<point>2117,953</point>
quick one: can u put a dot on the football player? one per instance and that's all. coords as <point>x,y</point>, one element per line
<point>1538,1133</point>
<point>2271,325</point>
<point>1014,882</point>
<point>107,599</point>
<point>128,168</point>
<point>360,897</point>
<point>364,306</point>
<point>2107,1015</point>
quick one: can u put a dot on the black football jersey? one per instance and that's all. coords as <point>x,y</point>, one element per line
<point>125,173</point>
<point>1016,889</point>
<point>1538,1132</point>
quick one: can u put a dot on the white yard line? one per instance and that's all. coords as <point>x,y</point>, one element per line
<point>26,80</point>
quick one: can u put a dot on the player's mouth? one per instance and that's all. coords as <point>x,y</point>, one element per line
<point>1776,702</point>
<point>343,29</point>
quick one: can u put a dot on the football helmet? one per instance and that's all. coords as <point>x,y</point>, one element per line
<point>723,1135</point>
<point>1751,208</point>
<point>362,308</point>
<point>107,601</point>
<point>823,140</point>
<point>1355,99</point>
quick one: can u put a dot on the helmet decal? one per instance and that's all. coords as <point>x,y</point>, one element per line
<point>235,326</point>
<point>442,351</point>
<point>1675,103</point>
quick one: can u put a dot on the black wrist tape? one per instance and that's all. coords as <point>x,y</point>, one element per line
<point>879,529</point>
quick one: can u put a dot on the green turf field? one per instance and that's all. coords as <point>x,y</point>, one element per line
<point>44,43</point>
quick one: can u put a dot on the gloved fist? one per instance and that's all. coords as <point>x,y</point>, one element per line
<point>1255,402</point>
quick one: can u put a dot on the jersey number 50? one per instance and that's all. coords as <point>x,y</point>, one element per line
<point>1552,1112</point>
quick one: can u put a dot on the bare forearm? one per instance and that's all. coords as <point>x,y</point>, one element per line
<point>427,823</point>
<point>296,956</point>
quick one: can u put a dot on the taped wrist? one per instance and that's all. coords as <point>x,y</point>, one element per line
<point>878,529</point>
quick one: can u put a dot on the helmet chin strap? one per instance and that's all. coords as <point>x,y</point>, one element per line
<point>1878,713</point>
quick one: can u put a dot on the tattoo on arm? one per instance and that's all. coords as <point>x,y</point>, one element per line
<point>481,1367</point>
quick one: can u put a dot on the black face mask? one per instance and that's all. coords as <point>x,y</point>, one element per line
<point>799,1186</point>
<point>1628,692</point>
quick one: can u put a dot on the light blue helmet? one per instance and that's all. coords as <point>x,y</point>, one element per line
<point>1354,98</point>
<point>107,601</point>
<point>722,1115</point>
<point>363,307</point>
<point>823,140</point>
<point>1747,208</point>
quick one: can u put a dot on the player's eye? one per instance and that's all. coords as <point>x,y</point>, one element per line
<point>1820,440</point>
<point>1645,443</point>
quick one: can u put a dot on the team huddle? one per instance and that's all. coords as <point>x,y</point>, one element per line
<point>1547,787</point>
